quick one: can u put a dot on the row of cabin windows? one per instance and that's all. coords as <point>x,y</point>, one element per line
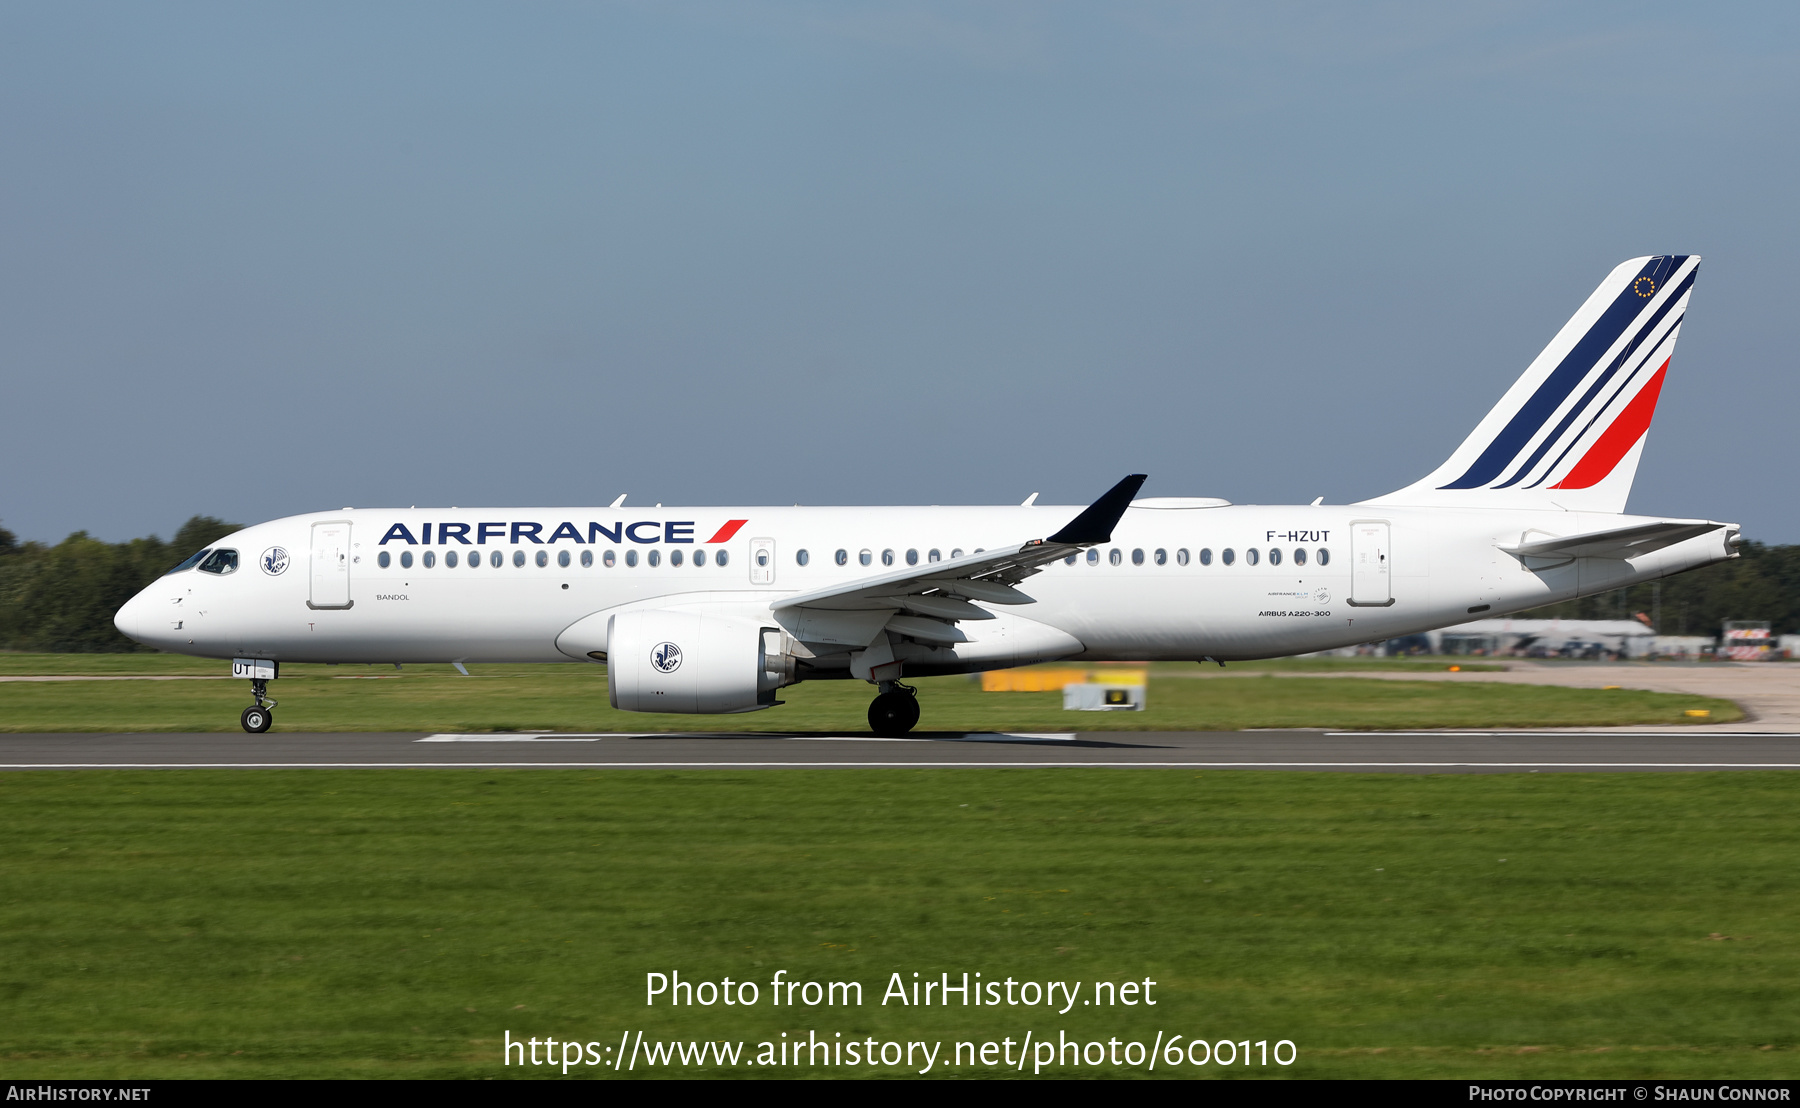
<point>1227,556</point>
<point>654,557</point>
<point>867,557</point>
<point>497,558</point>
<point>1116,556</point>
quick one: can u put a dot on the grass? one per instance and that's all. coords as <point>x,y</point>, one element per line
<point>574,698</point>
<point>399,923</point>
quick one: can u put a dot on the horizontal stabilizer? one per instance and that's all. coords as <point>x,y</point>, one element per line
<point>1618,542</point>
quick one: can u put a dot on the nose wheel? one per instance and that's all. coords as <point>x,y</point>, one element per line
<point>895,711</point>
<point>257,718</point>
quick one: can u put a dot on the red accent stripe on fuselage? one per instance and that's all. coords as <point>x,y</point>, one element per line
<point>730,529</point>
<point>1618,439</point>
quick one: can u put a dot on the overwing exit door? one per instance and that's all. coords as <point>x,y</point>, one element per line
<point>330,565</point>
<point>762,561</point>
<point>1371,564</point>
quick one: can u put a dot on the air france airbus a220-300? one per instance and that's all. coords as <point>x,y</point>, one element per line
<point>714,610</point>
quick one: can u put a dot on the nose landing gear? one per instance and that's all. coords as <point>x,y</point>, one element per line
<point>257,718</point>
<point>896,710</point>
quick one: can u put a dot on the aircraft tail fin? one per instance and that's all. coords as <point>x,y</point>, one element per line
<point>1569,433</point>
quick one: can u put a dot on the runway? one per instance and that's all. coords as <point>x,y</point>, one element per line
<point>1328,751</point>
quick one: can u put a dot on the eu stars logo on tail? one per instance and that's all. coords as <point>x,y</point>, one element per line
<point>1569,432</point>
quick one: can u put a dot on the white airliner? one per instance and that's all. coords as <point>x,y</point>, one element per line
<point>713,610</point>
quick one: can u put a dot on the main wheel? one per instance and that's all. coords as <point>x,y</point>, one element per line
<point>893,713</point>
<point>256,719</point>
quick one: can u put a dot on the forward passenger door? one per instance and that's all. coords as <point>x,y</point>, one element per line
<point>330,567</point>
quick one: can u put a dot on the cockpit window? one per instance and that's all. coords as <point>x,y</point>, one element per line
<point>221,561</point>
<point>190,562</point>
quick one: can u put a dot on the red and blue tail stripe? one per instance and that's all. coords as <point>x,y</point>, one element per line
<point>1636,310</point>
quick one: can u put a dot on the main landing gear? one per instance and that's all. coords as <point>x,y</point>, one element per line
<point>257,718</point>
<point>896,710</point>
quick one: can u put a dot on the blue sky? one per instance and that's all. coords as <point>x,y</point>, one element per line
<point>264,259</point>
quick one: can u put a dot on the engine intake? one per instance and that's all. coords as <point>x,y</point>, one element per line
<point>695,663</point>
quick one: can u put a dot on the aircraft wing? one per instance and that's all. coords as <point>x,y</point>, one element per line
<point>1618,542</point>
<point>936,595</point>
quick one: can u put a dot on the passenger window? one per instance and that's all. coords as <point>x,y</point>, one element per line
<point>496,559</point>
<point>700,557</point>
<point>912,557</point>
<point>430,559</point>
<point>1251,557</point>
<point>887,557</point>
<point>191,561</point>
<point>587,559</point>
<point>654,557</point>
<point>519,559</point>
<point>721,558</point>
<point>842,557</point>
<point>674,557</point>
<point>1114,556</point>
<point>1137,556</point>
<point>1093,557</point>
<point>449,559</point>
<point>1227,556</point>
<point>1206,555</point>
<point>382,559</point>
<point>630,558</point>
<point>864,557</point>
<point>934,556</point>
<point>1162,556</point>
<point>762,558</point>
<point>957,553</point>
<point>1181,557</point>
<point>1324,556</point>
<point>1069,561</point>
<point>406,559</point>
<point>562,558</point>
<point>543,558</point>
<point>1274,555</point>
<point>609,559</point>
<point>801,557</point>
<point>1299,555</point>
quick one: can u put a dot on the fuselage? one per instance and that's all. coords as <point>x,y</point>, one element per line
<point>1175,583</point>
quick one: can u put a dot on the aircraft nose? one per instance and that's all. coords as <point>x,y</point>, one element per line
<point>134,620</point>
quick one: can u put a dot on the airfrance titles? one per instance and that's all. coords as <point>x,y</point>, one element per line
<point>512,532</point>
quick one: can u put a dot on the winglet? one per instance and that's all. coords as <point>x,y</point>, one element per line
<point>1096,523</point>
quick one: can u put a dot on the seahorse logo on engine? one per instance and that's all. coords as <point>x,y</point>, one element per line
<point>666,657</point>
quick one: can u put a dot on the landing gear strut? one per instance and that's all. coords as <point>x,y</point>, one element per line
<point>257,718</point>
<point>896,710</point>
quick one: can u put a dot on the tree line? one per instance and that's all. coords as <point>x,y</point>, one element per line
<point>62,598</point>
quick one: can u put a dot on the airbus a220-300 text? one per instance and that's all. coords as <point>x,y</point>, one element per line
<point>714,610</point>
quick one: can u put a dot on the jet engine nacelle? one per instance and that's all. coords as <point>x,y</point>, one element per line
<point>695,662</point>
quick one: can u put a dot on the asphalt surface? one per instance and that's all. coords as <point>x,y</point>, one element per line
<point>1356,752</point>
